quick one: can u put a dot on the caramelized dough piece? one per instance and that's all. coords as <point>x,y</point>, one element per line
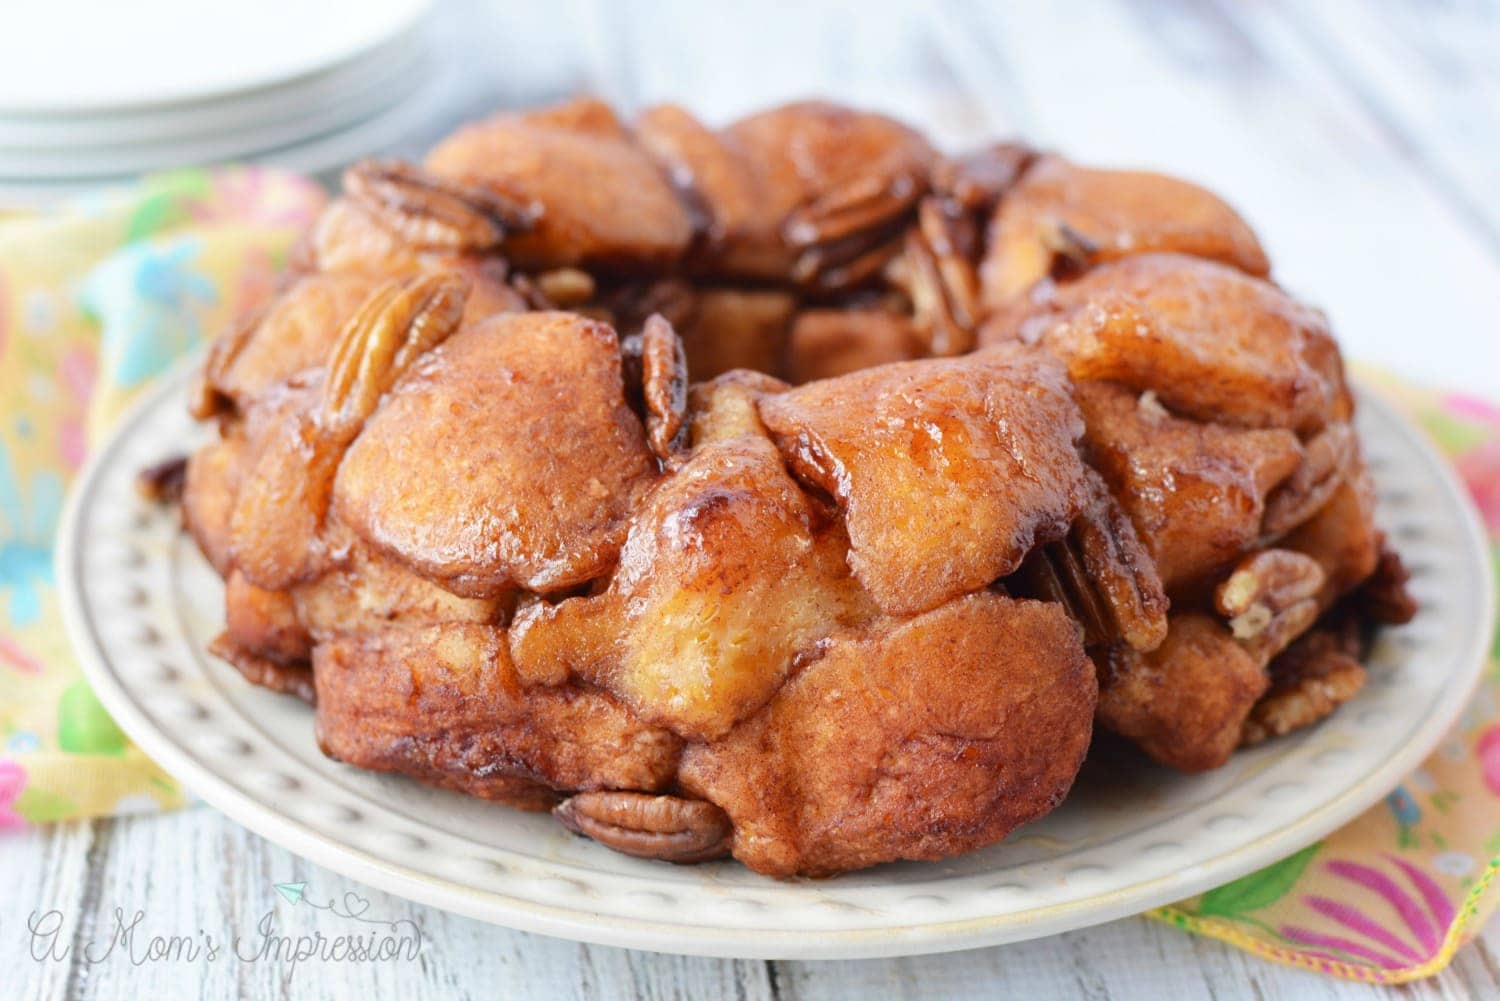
<point>599,200</point>
<point>210,485</point>
<point>263,622</point>
<point>924,739</point>
<point>363,589</point>
<point>736,328</point>
<point>288,467</point>
<point>507,457</point>
<point>1064,215</point>
<point>826,343</point>
<point>729,574</point>
<point>804,190</point>
<point>1213,343</point>
<point>293,678</point>
<point>1195,492</point>
<point>1342,537</point>
<point>443,705</point>
<point>280,509</point>
<point>728,406</point>
<point>948,471</point>
<point>295,332</point>
<point>1185,702</point>
<point>348,239</point>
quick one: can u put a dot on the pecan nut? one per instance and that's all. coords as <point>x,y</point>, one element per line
<point>939,277</point>
<point>1072,252</point>
<point>667,828</point>
<point>976,181</point>
<point>1121,570</point>
<point>872,201</point>
<point>433,213</point>
<point>1102,576</point>
<point>399,322</point>
<point>664,380</point>
<point>1270,599</point>
<point>1315,676</point>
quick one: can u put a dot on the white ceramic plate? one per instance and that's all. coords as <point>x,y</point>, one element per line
<point>83,57</point>
<point>209,133</point>
<point>141,604</point>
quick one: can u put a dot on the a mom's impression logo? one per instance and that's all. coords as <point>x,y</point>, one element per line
<point>129,936</point>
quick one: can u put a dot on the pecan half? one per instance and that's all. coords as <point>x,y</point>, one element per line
<point>434,213</point>
<point>1270,599</point>
<point>1315,676</point>
<point>399,322</point>
<point>667,828</point>
<point>1325,462</point>
<point>1122,572</point>
<point>866,203</point>
<point>664,379</point>
<point>1102,576</point>
<point>847,262</point>
<point>936,273</point>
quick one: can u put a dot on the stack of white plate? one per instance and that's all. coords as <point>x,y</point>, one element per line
<point>94,92</point>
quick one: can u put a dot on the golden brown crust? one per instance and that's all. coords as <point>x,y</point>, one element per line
<point>930,737</point>
<point>827,343</point>
<point>596,198</point>
<point>443,704</point>
<point>210,485</point>
<point>1185,702</point>
<point>736,329</point>
<point>730,574</point>
<point>810,189</point>
<point>1196,492</point>
<point>1211,342</point>
<point>947,471</point>
<point>558,444</point>
<point>1058,209</point>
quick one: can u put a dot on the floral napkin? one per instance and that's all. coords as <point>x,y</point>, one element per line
<point>95,299</point>
<point>99,297</point>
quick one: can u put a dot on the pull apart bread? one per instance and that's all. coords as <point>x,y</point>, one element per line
<point>788,490</point>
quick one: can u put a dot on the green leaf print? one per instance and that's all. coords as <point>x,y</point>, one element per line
<point>1259,889</point>
<point>83,727</point>
<point>166,205</point>
<point>1453,433</point>
<point>42,807</point>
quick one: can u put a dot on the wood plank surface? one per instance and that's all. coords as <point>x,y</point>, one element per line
<point>194,873</point>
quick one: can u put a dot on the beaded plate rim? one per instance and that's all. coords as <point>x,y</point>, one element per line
<point>128,580</point>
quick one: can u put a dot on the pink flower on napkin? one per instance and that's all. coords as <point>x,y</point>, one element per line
<point>1487,750</point>
<point>1425,920</point>
<point>1480,469</point>
<point>12,781</point>
<point>76,374</point>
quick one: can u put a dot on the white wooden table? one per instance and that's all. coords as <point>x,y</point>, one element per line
<point>1360,140</point>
